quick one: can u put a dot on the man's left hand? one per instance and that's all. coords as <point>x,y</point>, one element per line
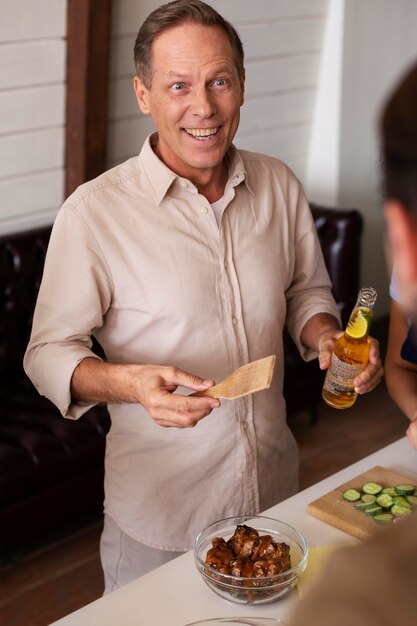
<point>372,374</point>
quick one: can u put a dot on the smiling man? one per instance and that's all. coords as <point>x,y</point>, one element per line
<point>185,262</point>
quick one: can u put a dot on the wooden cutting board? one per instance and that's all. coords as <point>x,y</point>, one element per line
<point>334,510</point>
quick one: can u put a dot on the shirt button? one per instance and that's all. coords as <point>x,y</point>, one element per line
<point>225,265</point>
<point>240,474</point>
<point>204,210</point>
<point>234,321</point>
<point>183,183</point>
<point>245,425</point>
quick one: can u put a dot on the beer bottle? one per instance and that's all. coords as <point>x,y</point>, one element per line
<point>350,353</point>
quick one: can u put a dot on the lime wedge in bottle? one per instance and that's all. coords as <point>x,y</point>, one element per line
<point>357,327</point>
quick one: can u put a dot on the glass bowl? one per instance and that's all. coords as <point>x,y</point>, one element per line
<point>240,621</point>
<point>251,590</point>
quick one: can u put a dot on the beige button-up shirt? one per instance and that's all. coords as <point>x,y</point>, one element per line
<point>137,258</point>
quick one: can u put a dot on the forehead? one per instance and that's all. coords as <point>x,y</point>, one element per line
<point>192,44</point>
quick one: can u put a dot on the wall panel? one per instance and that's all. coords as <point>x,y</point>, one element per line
<point>32,111</point>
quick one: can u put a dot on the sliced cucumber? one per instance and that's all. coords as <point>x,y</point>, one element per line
<point>384,518</point>
<point>404,490</point>
<point>385,500</point>
<point>372,488</point>
<point>402,500</point>
<point>399,510</point>
<point>362,506</point>
<point>368,498</point>
<point>351,495</point>
<point>373,510</point>
<point>383,503</point>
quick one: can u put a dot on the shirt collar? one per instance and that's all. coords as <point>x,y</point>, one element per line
<point>160,177</point>
<point>237,170</point>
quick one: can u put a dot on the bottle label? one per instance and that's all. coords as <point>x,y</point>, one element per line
<point>340,375</point>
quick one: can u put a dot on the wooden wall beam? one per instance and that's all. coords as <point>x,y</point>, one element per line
<point>88,54</point>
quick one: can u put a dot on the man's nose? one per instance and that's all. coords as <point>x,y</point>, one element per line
<point>203,103</point>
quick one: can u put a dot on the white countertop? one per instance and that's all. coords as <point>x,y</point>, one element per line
<point>175,594</point>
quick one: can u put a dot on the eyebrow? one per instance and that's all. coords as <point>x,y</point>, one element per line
<point>223,69</point>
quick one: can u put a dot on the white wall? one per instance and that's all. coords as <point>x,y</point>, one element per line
<point>282,41</point>
<point>377,41</point>
<point>317,71</point>
<point>32,105</point>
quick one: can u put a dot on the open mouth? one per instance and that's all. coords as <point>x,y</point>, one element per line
<point>202,134</point>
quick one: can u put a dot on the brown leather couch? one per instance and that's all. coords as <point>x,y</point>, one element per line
<point>51,469</point>
<point>339,232</point>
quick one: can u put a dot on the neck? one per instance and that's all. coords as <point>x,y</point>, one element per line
<point>210,182</point>
<point>213,187</point>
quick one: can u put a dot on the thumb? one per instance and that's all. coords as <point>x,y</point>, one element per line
<point>324,359</point>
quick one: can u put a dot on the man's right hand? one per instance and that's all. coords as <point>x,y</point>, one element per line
<point>156,386</point>
<point>152,386</point>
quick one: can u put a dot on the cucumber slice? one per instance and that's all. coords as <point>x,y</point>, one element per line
<point>373,510</point>
<point>400,511</point>
<point>372,488</point>
<point>390,491</point>
<point>362,506</point>
<point>404,490</point>
<point>385,501</point>
<point>368,498</point>
<point>351,495</point>
<point>402,500</point>
<point>412,500</point>
<point>384,518</point>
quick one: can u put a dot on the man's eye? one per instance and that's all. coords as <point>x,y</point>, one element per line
<point>177,86</point>
<point>220,82</point>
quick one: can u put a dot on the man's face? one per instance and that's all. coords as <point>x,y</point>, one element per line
<point>194,99</point>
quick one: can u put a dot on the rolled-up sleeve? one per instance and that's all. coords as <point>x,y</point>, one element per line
<point>73,298</point>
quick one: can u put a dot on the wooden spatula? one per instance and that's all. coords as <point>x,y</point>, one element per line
<point>246,379</point>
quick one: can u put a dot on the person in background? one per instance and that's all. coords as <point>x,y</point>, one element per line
<point>401,360</point>
<point>374,583</point>
<point>185,262</point>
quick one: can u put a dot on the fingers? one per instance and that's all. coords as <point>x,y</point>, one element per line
<point>156,391</point>
<point>374,355</point>
<point>184,379</point>
<point>374,371</point>
<point>326,345</point>
<point>369,378</point>
<point>325,359</point>
<point>177,411</point>
<point>173,419</point>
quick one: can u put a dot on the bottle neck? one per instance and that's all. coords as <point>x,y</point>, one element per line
<point>366,298</point>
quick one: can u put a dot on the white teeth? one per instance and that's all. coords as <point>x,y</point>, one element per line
<point>201,132</point>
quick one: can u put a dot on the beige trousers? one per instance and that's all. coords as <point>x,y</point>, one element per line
<point>123,559</point>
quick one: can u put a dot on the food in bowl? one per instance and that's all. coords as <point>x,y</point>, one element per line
<point>248,554</point>
<point>250,560</point>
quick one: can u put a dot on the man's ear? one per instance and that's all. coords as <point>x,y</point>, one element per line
<point>402,235</point>
<point>142,95</point>
<point>242,88</point>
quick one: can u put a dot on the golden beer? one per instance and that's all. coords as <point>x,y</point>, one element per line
<point>350,353</point>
